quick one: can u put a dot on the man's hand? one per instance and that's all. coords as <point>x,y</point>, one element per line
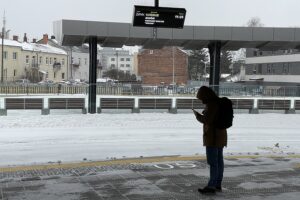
<point>198,115</point>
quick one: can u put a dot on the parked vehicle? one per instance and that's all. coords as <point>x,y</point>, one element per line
<point>22,82</point>
<point>46,82</point>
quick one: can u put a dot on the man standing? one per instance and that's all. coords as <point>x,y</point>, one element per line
<point>214,139</point>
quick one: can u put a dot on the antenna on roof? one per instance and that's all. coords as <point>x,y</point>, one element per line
<point>4,22</point>
<point>4,31</point>
<point>2,36</point>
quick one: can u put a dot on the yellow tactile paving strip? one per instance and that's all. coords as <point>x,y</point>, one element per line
<point>128,161</point>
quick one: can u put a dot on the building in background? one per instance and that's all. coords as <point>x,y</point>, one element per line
<point>135,66</point>
<point>12,60</point>
<point>78,59</point>
<point>168,65</point>
<point>280,67</point>
<point>33,61</point>
<point>119,59</point>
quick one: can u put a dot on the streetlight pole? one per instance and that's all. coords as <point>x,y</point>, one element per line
<point>173,64</point>
<point>117,54</point>
<point>71,63</point>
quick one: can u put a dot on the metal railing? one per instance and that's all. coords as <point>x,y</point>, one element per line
<point>137,90</point>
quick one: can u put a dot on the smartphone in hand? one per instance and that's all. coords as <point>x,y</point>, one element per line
<point>195,112</point>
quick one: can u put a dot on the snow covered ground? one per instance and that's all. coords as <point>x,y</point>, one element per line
<point>27,137</point>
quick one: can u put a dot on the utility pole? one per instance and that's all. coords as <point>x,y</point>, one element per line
<point>71,64</point>
<point>2,57</point>
<point>173,64</point>
<point>117,54</point>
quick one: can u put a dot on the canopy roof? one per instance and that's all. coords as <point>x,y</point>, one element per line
<point>111,34</point>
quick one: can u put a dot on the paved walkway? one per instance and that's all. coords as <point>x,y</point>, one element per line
<point>162,178</point>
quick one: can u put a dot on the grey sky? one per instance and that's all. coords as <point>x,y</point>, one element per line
<point>35,17</point>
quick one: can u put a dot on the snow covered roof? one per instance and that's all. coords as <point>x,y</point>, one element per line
<point>12,43</point>
<point>34,47</point>
<point>42,48</point>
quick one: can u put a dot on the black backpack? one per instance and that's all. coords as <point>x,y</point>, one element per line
<point>224,116</point>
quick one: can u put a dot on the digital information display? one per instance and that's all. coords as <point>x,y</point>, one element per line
<point>160,17</point>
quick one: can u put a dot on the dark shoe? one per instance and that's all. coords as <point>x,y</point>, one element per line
<point>219,189</point>
<point>207,190</point>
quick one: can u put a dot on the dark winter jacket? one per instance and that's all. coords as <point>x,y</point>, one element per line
<point>212,137</point>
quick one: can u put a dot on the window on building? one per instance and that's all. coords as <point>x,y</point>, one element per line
<point>122,59</point>
<point>5,74</point>
<point>72,60</point>
<point>254,69</point>
<point>151,52</point>
<point>15,55</point>
<point>285,68</point>
<point>50,61</point>
<point>33,59</point>
<point>63,75</point>
<point>27,59</point>
<point>112,59</point>
<point>79,61</point>
<point>259,70</point>
<point>47,60</point>
<point>254,53</point>
<point>54,75</point>
<point>63,61</point>
<point>122,65</point>
<point>260,53</point>
<point>15,72</point>
<point>127,59</point>
<point>85,61</point>
<point>269,68</point>
<point>54,60</point>
<point>5,54</point>
<point>41,59</point>
<point>273,69</point>
<point>113,66</point>
<point>127,65</point>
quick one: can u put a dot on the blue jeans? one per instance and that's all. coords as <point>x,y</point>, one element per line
<point>214,156</point>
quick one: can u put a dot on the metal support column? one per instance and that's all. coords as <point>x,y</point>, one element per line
<point>92,75</point>
<point>215,64</point>
<point>156,4</point>
<point>2,56</point>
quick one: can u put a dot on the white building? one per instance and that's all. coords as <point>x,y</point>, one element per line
<point>33,61</point>
<point>117,59</point>
<point>281,66</point>
<point>78,60</point>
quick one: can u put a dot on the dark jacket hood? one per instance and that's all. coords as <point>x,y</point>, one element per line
<point>206,95</point>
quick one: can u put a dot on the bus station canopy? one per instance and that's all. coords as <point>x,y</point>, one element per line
<point>111,34</point>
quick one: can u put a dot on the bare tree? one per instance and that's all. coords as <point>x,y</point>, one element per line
<point>255,22</point>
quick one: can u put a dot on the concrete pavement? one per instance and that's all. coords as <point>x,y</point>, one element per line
<point>172,178</point>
